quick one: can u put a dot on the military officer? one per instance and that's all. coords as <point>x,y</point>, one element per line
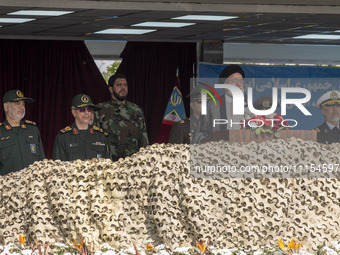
<point>180,131</point>
<point>123,120</point>
<point>81,140</point>
<point>20,141</point>
<point>329,103</point>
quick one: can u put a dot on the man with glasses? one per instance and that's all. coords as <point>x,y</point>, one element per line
<point>329,131</point>
<point>233,75</point>
<point>81,140</point>
<point>181,132</point>
<point>20,141</point>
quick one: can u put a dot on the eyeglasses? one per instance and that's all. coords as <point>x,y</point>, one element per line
<point>88,109</point>
<point>197,101</point>
<point>234,81</point>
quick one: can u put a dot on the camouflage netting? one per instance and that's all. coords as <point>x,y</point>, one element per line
<point>151,195</point>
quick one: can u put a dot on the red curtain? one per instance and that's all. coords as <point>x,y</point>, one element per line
<point>51,72</point>
<point>151,71</point>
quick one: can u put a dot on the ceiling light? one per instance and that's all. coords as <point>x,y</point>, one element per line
<point>318,36</point>
<point>206,17</point>
<point>163,24</point>
<point>125,31</point>
<point>40,13</point>
<point>14,20</point>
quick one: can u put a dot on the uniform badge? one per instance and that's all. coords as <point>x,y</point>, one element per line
<point>8,127</point>
<point>334,95</point>
<point>85,99</point>
<point>23,126</point>
<point>99,155</point>
<point>33,148</point>
<point>91,131</point>
<point>75,131</point>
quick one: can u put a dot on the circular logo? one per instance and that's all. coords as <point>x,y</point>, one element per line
<point>334,95</point>
<point>265,103</point>
<point>20,94</point>
<point>85,99</point>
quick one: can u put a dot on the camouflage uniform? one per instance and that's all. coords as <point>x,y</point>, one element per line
<point>125,125</point>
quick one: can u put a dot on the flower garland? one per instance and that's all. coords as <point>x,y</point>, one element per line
<point>271,124</point>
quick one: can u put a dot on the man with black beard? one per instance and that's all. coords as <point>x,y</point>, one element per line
<point>20,141</point>
<point>329,131</point>
<point>122,120</point>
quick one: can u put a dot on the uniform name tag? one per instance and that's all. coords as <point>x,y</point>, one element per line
<point>99,155</point>
<point>73,144</point>
<point>98,143</point>
<point>33,148</point>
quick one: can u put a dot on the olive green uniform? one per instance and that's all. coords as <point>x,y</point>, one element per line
<point>180,131</point>
<point>19,146</point>
<point>72,143</point>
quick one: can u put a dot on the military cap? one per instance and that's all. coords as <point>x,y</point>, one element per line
<point>329,98</point>
<point>195,93</point>
<point>16,95</point>
<point>264,103</point>
<point>229,70</point>
<point>83,100</point>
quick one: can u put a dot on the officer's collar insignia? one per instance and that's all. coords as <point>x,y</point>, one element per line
<point>334,95</point>
<point>8,127</point>
<point>75,131</point>
<point>23,126</point>
<point>85,99</point>
<point>91,131</point>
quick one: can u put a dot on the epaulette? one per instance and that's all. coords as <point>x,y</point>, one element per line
<point>106,134</point>
<point>65,130</point>
<point>97,129</point>
<point>30,122</point>
<point>317,130</point>
<point>0,124</point>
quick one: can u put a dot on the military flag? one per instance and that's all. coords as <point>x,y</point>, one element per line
<point>174,112</point>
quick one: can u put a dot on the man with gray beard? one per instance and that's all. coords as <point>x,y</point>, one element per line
<point>20,141</point>
<point>328,132</point>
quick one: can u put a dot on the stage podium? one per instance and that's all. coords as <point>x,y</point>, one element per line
<point>247,136</point>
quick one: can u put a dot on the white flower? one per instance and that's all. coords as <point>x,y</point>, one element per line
<point>160,247</point>
<point>329,251</point>
<point>182,249</point>
<point>163,252</point>
<point>27,252</point>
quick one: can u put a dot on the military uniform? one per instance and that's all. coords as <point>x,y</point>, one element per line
<point>326,135</point>
<point>72,143</point>
<point>19,146</point>
<point>125,125</point>
<point>180,131</point>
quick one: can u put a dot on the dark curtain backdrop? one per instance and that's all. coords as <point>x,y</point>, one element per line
<point>51,72</point>
<point>151,71</point>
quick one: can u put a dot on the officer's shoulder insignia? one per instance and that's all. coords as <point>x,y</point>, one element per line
<point>317,130</point>
<point>181,121</point>
<point>30,122</point>
<point>0,124</point>
<point>65,130</point>
<point>106,134</point>
<point>97,129</point>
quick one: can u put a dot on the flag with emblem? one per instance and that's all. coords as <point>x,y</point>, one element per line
<point>174,112</point>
